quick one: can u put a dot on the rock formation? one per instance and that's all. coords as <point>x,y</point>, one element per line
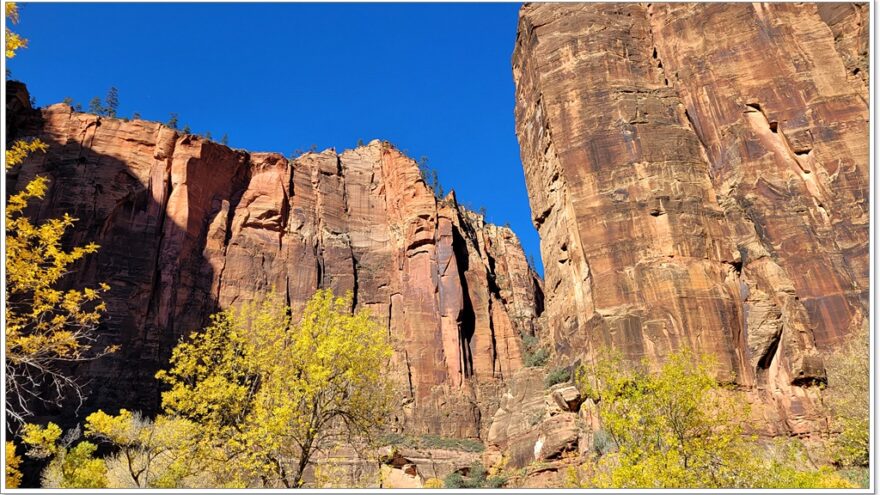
<point>187,226</point>
<point>698,174</point>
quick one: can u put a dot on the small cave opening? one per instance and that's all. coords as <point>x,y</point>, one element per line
<point>774,127</point>
<point>767,357</point>
<point>737,266</point>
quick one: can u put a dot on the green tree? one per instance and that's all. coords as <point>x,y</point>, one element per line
<point>271,394</point>
<point>112,101</point>
<point>172,121</point>
<point>225,139</point>
<point>186,129</point>
<point>96,107</point>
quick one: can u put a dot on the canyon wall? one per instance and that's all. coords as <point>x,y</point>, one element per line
<point>698,174</point>
<point>187,226</point>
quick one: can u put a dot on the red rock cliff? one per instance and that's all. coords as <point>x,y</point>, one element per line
<point>187,226</point>
<point>698,174</point>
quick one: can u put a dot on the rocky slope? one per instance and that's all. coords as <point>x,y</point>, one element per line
<point>187,226</point>
<point>698,174</point>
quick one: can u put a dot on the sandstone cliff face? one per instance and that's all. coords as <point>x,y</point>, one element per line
<point>187,226</point>
<point>698,174</point>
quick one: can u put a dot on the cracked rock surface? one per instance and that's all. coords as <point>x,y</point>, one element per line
<point>698,174</point>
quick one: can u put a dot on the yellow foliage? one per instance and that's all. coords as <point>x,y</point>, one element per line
<point>45,326</point>
<point>77,468</point>
<point>13,461</point>
<point>21,149</point>
<point>68,468</point>
<point>42,441</point>
<point>162,453</point>
<point>678,429</point>
<point>848,394</point>
<point>13,40</point>
<point>269,393</point>
<point>433,483</point>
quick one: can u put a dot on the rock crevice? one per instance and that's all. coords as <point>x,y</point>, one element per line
<point>713,180</point>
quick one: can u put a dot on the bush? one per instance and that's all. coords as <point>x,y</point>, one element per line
<point>602,443</point>
<point>477,477</point>
<point>537,358</point>
<point>533,354</point>
<point>559,375</point>
<point>453,480</point>
<point>432,442</point>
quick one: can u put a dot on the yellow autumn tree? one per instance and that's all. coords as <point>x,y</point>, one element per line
<point>71,464</point>
<point>158,453</point>
<point>46,327</point>
<point>848,394</point>
<point>272,394</point>
<point>679,428</point>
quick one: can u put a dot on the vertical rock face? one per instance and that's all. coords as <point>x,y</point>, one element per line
<point>187,226</point>
<point>698,174</point>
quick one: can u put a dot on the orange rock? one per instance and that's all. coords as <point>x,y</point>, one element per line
<point>698,174</point>
<point>187,226</point>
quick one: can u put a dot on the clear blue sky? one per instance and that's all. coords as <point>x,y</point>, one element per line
<point>434,79</point>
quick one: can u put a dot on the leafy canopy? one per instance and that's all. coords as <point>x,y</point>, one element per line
<point>848,396</point>
<point>69,466</point>
<point>270,394</point>
<point>678,428</point>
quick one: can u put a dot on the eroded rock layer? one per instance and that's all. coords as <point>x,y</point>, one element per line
<point>187,226</point>
<point>698,174</point>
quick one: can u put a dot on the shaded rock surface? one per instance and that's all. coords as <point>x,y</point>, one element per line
<point>187,226</point>
<point>698,174</point>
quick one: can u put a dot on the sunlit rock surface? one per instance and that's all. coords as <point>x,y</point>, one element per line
<point>698,174</point>
<point>187,226</point>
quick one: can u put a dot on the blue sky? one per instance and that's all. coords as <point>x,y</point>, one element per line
<point>434,79</point>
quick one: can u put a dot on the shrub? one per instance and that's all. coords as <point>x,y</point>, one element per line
<point>559,375</point>
<point>453,480</point>
<point>476,477</point>
<point>602,443</point>
<point>537,358</point>
<point>432,442</point>
<point>533,354</point>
